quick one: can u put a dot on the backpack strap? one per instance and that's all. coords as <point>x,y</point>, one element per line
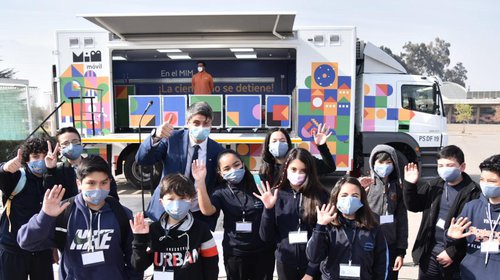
<point>123,220</point>
<point>19,187</point>
<point>61,230</point>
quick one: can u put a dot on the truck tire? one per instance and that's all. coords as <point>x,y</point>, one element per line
<point>152,174</point>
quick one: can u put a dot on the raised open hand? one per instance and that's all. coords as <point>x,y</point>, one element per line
<point>199,170</point>
<point>320,136</point>
<point>52,201</point>
<point>138,225</point>
<point>326,214</point>
<point>457,228</point>
<point>267,197</point>
<point>51,157</point>
<point>411,173</point>
<point>14,164</point>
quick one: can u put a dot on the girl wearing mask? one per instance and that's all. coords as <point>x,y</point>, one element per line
<point>476,231</point>
<point>290,214</point>
<point>278,143</point>
<point>347,240</point>
<point>246,256</point>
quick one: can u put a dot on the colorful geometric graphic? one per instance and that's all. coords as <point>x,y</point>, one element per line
<point>122,92</point>
<point>278,110</point>
<point>215,101</point>
<point>381,112</point>
<point>174,106</point>
<point>243,111</point>
<point>250,154</point>
<point>324,75</point>
<point>327,101</point>
<point>137,104</point>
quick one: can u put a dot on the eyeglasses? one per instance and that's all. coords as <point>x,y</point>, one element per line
<point>74,142</point>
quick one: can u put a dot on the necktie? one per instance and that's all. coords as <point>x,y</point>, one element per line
<point>195,157</point>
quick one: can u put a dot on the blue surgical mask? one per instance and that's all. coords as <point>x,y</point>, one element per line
<point>490,191</point>
<point>37,167</point>
<point>234,177</point>
<point>177,209</point>
<point>95,196</point>
<point>278,149</point>
<point>199,133</point>
<point>449,174</point>
<point>383,170</point>
<point>73,151</point>
<point>348,205</point>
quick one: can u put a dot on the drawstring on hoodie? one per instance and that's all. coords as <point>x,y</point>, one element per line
<point>90,234</point>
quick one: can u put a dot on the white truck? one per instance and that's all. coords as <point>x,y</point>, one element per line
<point>267,74</point>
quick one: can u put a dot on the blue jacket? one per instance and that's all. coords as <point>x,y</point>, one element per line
<point>39,232</point>
<point>173,153</point>
<point>473,266</point>
<point>277,222</point>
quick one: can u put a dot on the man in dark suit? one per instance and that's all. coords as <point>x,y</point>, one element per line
<point>177,149</point>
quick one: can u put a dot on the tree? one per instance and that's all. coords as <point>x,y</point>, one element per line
<point>7,73</point>
<point>431,59</point>
<point>463,114</point>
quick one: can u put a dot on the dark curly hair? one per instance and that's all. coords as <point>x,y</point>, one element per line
<point>491,164</point>
<point>34,145</point>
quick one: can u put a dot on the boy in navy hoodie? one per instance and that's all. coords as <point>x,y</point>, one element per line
<point>95,246</point>
<point>480,218</point>
<point>179,246</point>
<point>22,195</point>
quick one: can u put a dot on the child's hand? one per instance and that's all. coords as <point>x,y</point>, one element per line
<point>138,225</point>
<point>52,201</point>
<point>398,263</point>
<point>457,228</point>
<point>13,165</point>
<point>51,157</point>
<point>366,182</point>
<point>411,173</point>
<point>326,214</point>
<point>266,196</point>
<point>199,170</point>
<point>321,135</point>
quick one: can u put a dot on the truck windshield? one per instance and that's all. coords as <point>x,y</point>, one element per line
<point>419,98</point>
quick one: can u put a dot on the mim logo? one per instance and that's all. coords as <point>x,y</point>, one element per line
<point>87,56</point>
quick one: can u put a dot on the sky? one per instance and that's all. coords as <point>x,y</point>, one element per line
<point>28,28</point>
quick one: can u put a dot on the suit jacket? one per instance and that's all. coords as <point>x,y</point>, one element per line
<point>173,152</point>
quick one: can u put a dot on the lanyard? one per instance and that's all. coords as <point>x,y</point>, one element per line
<point>351,244</point>
<point>492,227</point>
<point>243,211</point>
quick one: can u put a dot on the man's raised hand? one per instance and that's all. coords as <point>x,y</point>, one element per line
<point>165,130</point>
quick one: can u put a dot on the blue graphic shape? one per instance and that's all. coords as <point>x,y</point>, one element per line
<point>176,104</point>
<point>271,101</point>
<point>392,114</point>
<point>369,101</point>
<point>344,80</point>
<point>324,75</point>
<point>141,104</point>
<point>248,109</point>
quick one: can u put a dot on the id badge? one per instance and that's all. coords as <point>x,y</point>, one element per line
<point>163,275</point>
<point>243,226</point>
<point>386,219</point>
<point>490,246</point>
<point>295,237</point>
<point>92,258</point>
<point>350,271</point>
<point>440,224</point>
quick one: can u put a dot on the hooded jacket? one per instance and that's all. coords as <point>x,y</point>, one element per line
<point>188,249</point>
<point>426,198</point>
<point>387,199</point>
<point>38,234</point>
<point>473,265</point>
<point>331,247</point>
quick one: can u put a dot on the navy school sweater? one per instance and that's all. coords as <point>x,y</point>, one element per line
<point>38,234</point>
<point>331,246</point>
<point>237,243</point>
<point>473,265</point>
<point>277,222</point>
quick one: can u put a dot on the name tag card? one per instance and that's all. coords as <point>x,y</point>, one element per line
<point>350,271</point>
<point>295,237</point>
<point>490,246</point>
<point>244,227</point>
<point>440,224</point>
<point>163,275</point>
<point>386,219</point>
<point>92,258</point>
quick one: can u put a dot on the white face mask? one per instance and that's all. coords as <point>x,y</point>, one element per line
<point>200,69</point>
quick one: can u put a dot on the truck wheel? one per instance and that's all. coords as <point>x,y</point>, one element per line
<point>151,174</point>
